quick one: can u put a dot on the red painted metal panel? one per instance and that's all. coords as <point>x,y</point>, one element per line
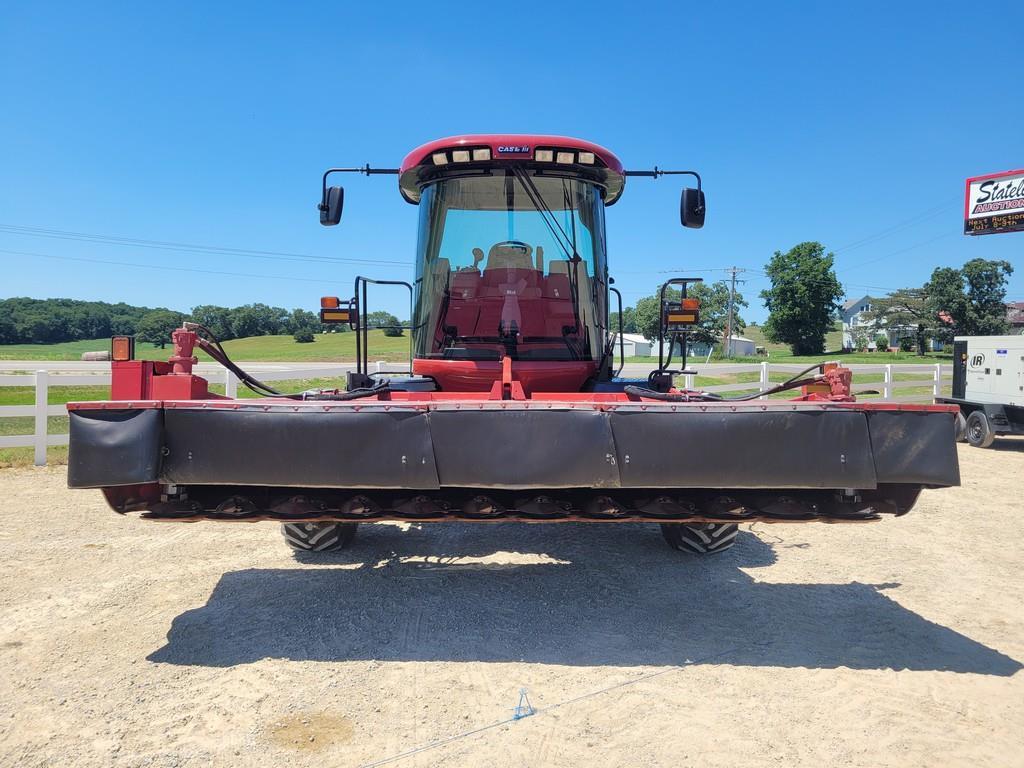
<point>476,376</point>
<point>602,401</point>
<point>494,140</point>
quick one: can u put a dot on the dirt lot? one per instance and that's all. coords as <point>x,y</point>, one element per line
<point>129,643</point>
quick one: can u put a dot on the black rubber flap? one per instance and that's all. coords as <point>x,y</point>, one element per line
<point>523,448</point>
<point>722,448</point>
<point>311,448</point>
<point>114,447</point>
<point>914,447</point>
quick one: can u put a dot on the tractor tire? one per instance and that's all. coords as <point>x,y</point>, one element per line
<point>979,431</point>
<point>318,537</point>
<point>700,538</point>
<point>960,428</point>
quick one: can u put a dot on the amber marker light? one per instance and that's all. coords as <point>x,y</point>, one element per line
<point>122,348</point>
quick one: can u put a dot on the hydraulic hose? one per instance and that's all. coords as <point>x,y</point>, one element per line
<point>213,348</point>
<point>353,394</point>
<point>686,397</point>
<point>670,397</point>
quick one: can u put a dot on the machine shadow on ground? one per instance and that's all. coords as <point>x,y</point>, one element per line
<point>1009,444</point>
<point>602,595</point>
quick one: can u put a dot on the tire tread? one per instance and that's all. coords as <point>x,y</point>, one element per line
<point>318,537</point>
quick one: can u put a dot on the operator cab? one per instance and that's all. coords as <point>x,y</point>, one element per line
<point>497,276</point>
<point>511,253</point>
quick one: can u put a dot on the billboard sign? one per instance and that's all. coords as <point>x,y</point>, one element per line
<point>994,203</point>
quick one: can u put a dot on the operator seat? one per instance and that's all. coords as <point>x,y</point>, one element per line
<point>510,291</point>
<point>507,256</point>
<point>463,291</point>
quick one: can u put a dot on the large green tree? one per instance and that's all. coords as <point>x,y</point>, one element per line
<point>304,324</point>
<point>8,331</point>
<point>970,301</point>
<point>628,321</point>
<point>905,308</point>
<point>258,320</point>
<point>986,297</point>
<point>385,320</point>
<point>803,298</point>
<point>216,319</point>
<point>157,326</point>
<point>714,312</point>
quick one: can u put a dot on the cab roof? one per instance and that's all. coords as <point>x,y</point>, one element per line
<point>419,166</point>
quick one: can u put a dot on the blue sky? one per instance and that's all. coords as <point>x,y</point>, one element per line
<point>852,124</point>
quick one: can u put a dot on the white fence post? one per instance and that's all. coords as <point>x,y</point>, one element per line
<point>688,380</point>
<point>887,383</point>
<point>230,384</point>
<point>937,387</point>
<point>42,401</point>
<point>764,379</point>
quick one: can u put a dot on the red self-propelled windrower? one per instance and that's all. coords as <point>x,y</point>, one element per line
<point>512,408</point>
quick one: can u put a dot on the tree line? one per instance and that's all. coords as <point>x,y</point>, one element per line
<point>965,301</point>
<point>50,321</point>
<point>803,301</point>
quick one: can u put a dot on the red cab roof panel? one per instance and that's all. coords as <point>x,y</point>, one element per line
<point>507,147</point>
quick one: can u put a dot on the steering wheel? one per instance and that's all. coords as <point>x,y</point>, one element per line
<point>513,244</point>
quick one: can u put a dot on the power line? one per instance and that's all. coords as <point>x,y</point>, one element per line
<point>928,214</point>
<point>680,270</point>
<point>166,245</point>
<point>820,281</point>
<point>901,250</point>
<point>327,281</point>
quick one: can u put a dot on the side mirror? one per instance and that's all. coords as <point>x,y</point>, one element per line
<point>331,205</point>
<point>691,208</point>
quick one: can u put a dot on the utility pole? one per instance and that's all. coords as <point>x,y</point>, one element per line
<point>732,293</point>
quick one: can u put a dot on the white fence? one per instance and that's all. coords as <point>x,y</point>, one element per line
<point>41,381</point>
<point>929,375</point>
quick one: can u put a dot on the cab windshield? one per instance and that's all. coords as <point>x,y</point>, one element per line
<point>511,264</point>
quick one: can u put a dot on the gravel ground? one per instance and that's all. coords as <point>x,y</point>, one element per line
<point>131,643</point>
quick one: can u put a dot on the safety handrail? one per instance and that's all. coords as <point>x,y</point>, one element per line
<point>363,349</point>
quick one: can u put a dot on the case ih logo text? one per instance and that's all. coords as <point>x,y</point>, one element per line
<point>514,149</point>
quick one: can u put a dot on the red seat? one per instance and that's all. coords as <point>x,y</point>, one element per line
<point>557,293</point>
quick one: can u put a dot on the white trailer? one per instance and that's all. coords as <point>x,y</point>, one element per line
<point>988,385</point>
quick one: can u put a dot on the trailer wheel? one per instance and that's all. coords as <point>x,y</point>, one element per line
<point>979,431</point>
<point>318,537</point>
<point>701,538</point>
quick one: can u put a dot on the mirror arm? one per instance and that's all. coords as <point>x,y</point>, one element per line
<point>366,169</point>
<point>659,172</point>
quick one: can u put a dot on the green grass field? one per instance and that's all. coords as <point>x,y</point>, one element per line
<point>328,347</point>
<point>781,353</point>
<point>340,347</point>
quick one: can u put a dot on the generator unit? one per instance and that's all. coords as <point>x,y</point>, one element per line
<point>988,386</point>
